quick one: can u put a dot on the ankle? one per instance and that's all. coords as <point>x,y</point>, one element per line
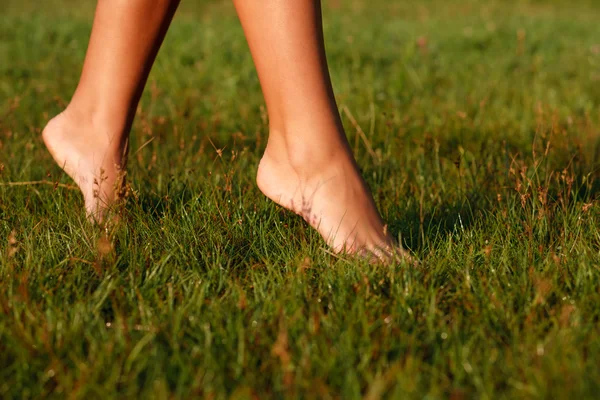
<point>112,131</point>
<point>95,116</point>
<point>306,152</point>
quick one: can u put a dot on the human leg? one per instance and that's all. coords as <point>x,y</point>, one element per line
<point>89,138</point>
<point>308,166</point>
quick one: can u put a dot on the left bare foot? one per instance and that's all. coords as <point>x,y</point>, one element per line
<point>87,154</point>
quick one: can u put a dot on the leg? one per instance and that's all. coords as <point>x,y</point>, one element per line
<point>89,138</point>
<point>308,166</point>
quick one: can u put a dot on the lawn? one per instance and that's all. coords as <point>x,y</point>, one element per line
<point>477,126</point>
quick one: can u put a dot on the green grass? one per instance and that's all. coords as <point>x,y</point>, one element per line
<point>481,143</point>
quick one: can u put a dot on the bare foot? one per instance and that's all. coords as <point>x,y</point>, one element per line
<point>332,197</point>
<point>89,157</point>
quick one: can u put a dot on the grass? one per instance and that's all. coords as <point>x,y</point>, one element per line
<point>480,135</point>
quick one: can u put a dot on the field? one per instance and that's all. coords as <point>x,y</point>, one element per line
<point>477,126</point>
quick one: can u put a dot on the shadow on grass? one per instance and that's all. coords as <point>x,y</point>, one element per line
<point>416,229</point>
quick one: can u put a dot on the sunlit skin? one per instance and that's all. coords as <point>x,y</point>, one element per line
<point>307,166</point>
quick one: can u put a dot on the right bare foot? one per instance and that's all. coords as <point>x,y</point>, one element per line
<point>90,156</point>
<point>331,196</point>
